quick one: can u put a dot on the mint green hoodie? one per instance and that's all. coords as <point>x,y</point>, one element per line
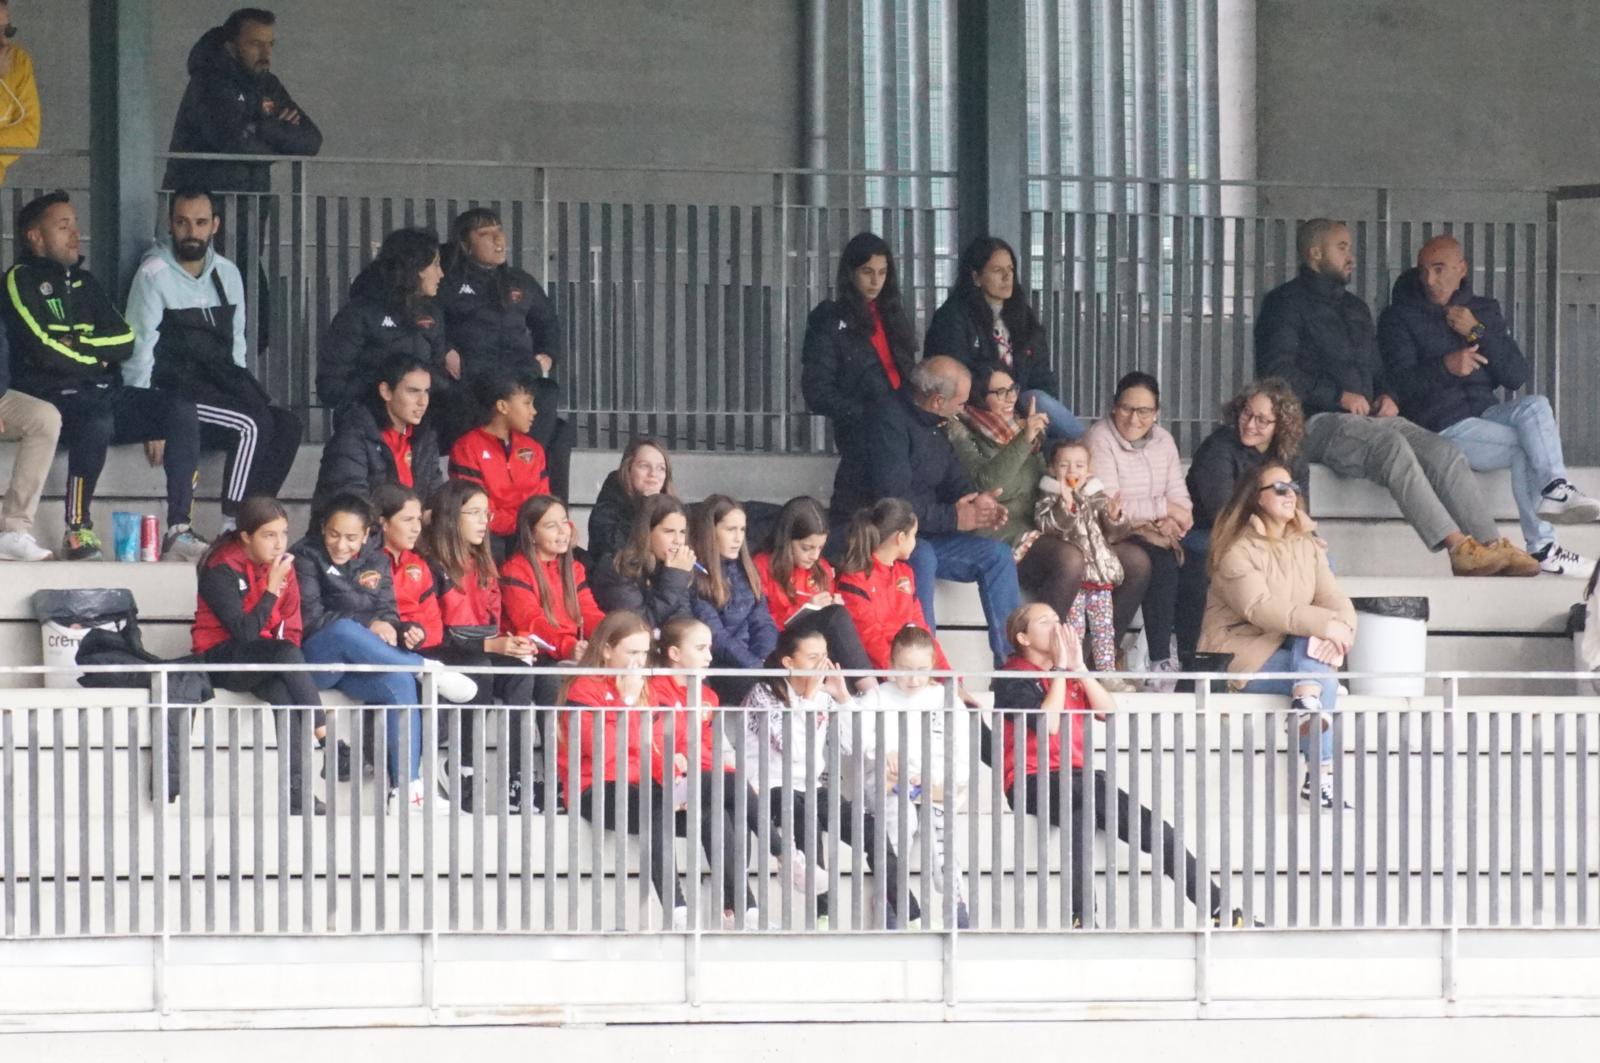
<point>162,283</point>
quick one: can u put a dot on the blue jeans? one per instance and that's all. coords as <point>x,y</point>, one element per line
<point>1064,424</point>
<point>967,558</point>
<point>1292,657</point>
<point>347,642</point>
<point>1520,435</point>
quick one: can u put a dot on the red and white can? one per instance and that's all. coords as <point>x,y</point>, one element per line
<point>149,538</point>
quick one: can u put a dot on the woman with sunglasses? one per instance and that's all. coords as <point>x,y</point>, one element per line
<point>1264,422</point>
<point>1275,606</point>
<point>1137,460</point>
<point>999,444</point>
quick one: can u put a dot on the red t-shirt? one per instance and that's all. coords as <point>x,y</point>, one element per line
<point>398,441</point>
<point>1028,692</point>
<point>880,343</point>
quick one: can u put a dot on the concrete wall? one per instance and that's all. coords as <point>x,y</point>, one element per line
<point>644,82</point>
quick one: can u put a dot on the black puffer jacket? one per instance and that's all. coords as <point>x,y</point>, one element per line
<point>361,589</point>
<point>966,332</point>
<point>1415,337</point>
<point>840,375</point>
<point>666,594</point>
<point>903,453</point>
<point>1318,337</point>
<point>357,459</point>
<point>367,333</point>
<point>1218,463</point>
<point>227,109</point>
<point>611,519</point>
<point>497,317</point>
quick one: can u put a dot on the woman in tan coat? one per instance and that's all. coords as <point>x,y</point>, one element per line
<point>1275,606</point>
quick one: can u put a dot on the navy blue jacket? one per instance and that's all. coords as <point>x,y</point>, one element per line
<point>1319,338</point>
<point>1415,337</point>
<point>742,631</point>
<point>966,332</point>
<point>901,452</point>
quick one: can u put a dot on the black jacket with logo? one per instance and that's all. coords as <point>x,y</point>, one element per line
<point>497,318</point>
<point>361,589</point>
<point>357,459</point>
<point>840,375</point>
<point>227,109</point>
<point>966,332</point>
<point>62,326</point>
<point>366,334</point>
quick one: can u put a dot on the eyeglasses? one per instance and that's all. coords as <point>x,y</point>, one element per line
<point>1283,487</point>
<point>1141,413</point>
<point>1257,419</point>
<point>1002,393</point>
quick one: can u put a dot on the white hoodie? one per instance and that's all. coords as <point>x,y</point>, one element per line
<point>163,284</point>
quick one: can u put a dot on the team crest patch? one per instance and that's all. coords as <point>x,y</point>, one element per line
<point>370,579</point>
<point>268,106</point>
<point>903,584</point>
<point>516,295</point>
<point>525,455</point>
<point>414,573</point>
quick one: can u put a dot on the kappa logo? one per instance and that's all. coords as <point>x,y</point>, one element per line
<point>486,455</point>
<point>370,579</point>
<point>333,570</point>
<point>842,326</point>
<point>387,322</point>
<point>243,586</point>
<point>466,289</point>
<point>241,97</point>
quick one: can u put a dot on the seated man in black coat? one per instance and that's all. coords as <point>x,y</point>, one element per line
<point>383,440</point>
<point>902,452</point>
<point>1448,351</point>
<point>1319,338</point>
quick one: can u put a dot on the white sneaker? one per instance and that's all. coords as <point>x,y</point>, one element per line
<point>452,686</point>
<point>800,872</point>
<point>1565,504</point>
<point>1557,560</point>
<point>1163,686</point>
<point>416,794</point>
<point>20,546</point>
<point>680,917</point>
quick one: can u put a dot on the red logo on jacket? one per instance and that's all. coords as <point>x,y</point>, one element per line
<point>413,573</point>
<point>525,455</point>
<point>516,295</point>
<point>903,585</point>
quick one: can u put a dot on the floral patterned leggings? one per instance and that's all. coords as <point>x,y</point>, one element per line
<point>1092,606</point>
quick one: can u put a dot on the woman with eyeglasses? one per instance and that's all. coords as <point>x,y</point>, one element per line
<point>1000,446</point>
<point>1137,461</point>
<point>644,471</point>
<point>1264,422</point>
<point>1275,606</point>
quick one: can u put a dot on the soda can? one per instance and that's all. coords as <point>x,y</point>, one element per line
<point>149,538</point>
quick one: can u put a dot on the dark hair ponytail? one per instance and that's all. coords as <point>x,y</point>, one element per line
<point>871,526</point>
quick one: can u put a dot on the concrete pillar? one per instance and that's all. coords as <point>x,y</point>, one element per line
<point>991,117</point>
<point>122,137</point>
<point>1236,98</point>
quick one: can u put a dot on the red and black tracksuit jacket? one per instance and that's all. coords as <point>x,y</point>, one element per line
<point>522,609</point>
<point>511,471</point>
<point>882,601</point>
<point>235,606</point>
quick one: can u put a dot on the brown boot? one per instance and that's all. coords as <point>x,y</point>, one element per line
<point>1469,557</point>
<point>1518,561</point>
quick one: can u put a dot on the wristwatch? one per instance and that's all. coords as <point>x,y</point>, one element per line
<point>1476,333</point>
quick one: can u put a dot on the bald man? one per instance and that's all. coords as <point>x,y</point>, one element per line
<point>1448,354</point>
<point>901,451</point>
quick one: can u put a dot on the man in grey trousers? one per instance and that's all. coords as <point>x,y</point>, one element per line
<point>1319,338</point>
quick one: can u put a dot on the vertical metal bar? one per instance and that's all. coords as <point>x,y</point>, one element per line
<point>530,719</point>
<point>359,722</point>
<point>135,876</point>
<point>402,804</point>
<point>1515,719</point>
<point>502,791</point>
<point>85,879</point>
<point>1426,863</point>
<point>330,829</point>
<point>380,818</point>
<point>1404,868</point>
<point>1474,810</point>
<point>1383,819</point>
<point>209,815</point>
<point>652,823</point>
<point>8,823</point>
<point>1296,820</point>
<point>1340,736</point>
<point>1180,802</point>
<point>454,723</point>
<point>1581,819</point>
<point>482,795</point>
<point>58,794</point>
<point>108,813</point>
<point>1536,820</point>
<point>258,780</point>
<point>574,801</point>
<point>1272,800</point>
<point>159,767</point>
<point>1561,871</point>
<point>1247,799</point>
<point>1112,806</point>
<point>1202,862</point>
<point>628,716</point>
<point>1135,835</point>
<point>430,788</point>
<point>235,831</point>
<point>1448,722</point>
<point>1158,816</point>
<point>1224,810</point>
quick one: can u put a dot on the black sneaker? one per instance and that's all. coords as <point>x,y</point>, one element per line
<point>296,807</point>
<point>464,800</point>
<point>514,798</point>
<point>80,543</point>
<point>341,759</point>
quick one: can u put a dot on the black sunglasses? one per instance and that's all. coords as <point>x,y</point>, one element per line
<point>1283,487</point>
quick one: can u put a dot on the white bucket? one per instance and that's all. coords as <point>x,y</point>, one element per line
<point>60,645</point>
<point>1392,644</point>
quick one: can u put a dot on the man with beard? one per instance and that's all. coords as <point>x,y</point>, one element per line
<point>1319,338</point>
<point>234,104</point>
<point>187,312</point>
<point>67,341</point>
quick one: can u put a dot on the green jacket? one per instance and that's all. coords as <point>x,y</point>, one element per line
<point>1015,468</point>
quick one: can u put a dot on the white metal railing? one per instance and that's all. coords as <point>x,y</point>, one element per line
<point>1464,812</point>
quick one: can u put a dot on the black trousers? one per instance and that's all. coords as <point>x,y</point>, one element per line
<point>94,418</point>
<point>630,822</point>
<point>1102,802</point>
<point>1160,601</point>
<point>282,690</point>
<point>511,690</point>
<point>845,830</point>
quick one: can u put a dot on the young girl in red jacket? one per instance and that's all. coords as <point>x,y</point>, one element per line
<point>614,706</point>
<point>877,585</point>
<point>248,612</point>
<point>500,456</point>
<point>467,584</point>
<point>544,589</point>
<point>800,591</point>
<point>687,644</point>
<point>399,514</point>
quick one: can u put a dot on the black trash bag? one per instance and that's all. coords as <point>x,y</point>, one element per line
<point>85,607</point>
<point>1398,607</point>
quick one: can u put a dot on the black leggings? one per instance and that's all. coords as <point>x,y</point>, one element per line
<point>1169,840</point>
<point>281,690</point>
<point>511,690</point>
<point>1160,601</point>
<point>846,828</point>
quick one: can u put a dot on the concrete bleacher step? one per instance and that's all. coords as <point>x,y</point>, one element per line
<point>1370,547</point>
<point>1333,495</point>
